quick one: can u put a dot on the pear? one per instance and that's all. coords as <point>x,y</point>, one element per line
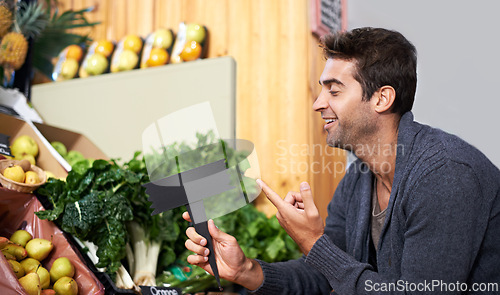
<point>66,286</point>
<point>21,237</point>
<point>62,267</point>
<point>31,283</point>
<point>24,144</point>
<point>48,292</point>
<point>39,248</point>
<point>15,173</point>
<point>3,242</point>
<point>30,264</point>
<point>15,250</point>
<point>31,177</point>
<point>44,276</point>
<point>8,256</point>
<point>17,268</point>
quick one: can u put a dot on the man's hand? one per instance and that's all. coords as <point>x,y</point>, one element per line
<point>232,263</point>
<point>298,215</point>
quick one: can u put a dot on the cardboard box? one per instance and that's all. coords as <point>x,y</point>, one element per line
<point>14,127</point>
<point>72,141</point>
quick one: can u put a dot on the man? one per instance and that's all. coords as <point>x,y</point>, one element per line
<point>417,212</point>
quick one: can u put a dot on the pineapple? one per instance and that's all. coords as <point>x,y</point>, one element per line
<point>5,18</point>
<point>30,20</point>
<point>13,50</point>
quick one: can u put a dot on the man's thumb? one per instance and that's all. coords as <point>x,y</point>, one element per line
<point>215,232</point>
<point>307,198</point>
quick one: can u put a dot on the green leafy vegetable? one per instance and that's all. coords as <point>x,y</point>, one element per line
<point>104,204</point>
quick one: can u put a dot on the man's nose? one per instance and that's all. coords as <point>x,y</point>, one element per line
<point>320,103</point>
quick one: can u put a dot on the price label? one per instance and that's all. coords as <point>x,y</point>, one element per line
<point>4,145</point>
<point>155,290</point>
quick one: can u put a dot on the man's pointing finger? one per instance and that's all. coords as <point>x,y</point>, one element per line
<point>271,195</point>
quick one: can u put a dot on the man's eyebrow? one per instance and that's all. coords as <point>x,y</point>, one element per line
<point>330,81</point>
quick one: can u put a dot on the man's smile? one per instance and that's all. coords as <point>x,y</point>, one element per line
<point>329,122</point>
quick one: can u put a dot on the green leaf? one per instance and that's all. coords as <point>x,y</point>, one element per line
<point>82,216</point>
<point>275,247</point>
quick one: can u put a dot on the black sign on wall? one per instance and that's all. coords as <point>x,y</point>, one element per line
<point>328,16</point>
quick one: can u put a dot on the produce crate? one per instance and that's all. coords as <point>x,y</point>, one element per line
<point>13,127</point>
<point>109,286</point>
<point>17,212</point>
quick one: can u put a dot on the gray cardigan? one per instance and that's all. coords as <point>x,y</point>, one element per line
<point>441,233</point>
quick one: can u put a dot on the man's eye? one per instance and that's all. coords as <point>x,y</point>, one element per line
<point>334,93</point>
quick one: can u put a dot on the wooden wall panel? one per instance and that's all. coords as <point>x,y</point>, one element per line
<point>278,66</point>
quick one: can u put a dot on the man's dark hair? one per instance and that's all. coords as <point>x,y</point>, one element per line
<point>381,57</point>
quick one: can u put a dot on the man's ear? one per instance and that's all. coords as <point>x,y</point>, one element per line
<point>384,98</point>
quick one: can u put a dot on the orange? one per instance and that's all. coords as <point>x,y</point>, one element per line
<point>104,47</point>
<point>191,51</point>
<point>157,57</point>
<point>74,51</point>
<point>132,42</point>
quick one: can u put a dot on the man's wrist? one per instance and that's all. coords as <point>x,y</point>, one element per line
<point>251,275</point>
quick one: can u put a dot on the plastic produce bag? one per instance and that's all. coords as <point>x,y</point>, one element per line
<point>17,212</point>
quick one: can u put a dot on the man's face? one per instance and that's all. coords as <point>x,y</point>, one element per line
<point>349,119</point>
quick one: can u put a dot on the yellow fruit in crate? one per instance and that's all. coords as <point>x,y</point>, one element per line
<point>195,32</point>
<point>191,51</point>
<point>132,42</point>
<point>24,144</point>
<point>31,177</point>
<point>74,51</point>
<point>96,64</point>
<point>69,68</point>
<point>14,173</point>
<point>39,248</point>
<point>44,276</point>
<point>31,283</point>
<point>17,268</point>
<point>104,47</point>
<point>62,267</point>
<point>21,237</point>
<point>162,38</point>
<point>30,264</point>
<point>157,57</point>
<point>127,60</point>
<point>66,285</point>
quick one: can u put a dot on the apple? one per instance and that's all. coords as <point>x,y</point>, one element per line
<point>96,64</point>
<point>133,43</point>
<point>127,60</point>
<point>24,144</point>
<point>162,38</point>
<point>195,32</point>
<point>69,68</point>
